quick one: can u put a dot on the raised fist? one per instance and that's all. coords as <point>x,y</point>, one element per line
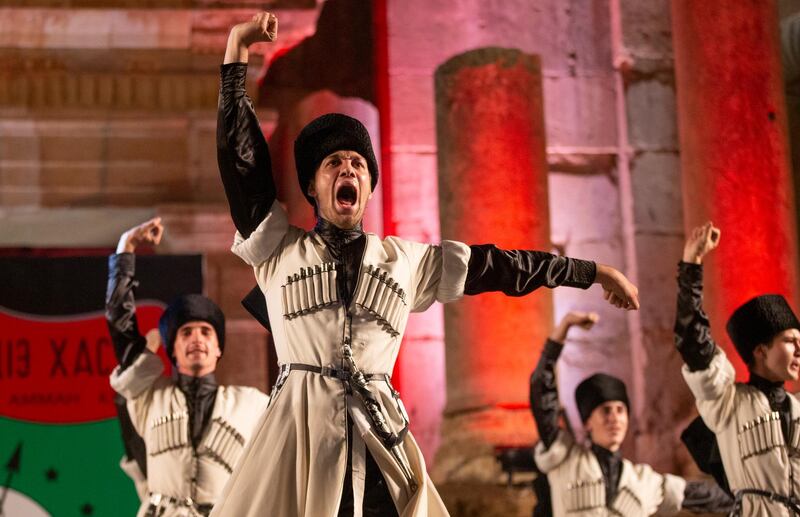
<point>702,240</point>
<point>585,320</point>
<point>149,232</point>
<point>263,27</point>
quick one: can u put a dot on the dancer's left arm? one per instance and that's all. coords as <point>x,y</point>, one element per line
<point>519,272</point>
<point>445,273</point>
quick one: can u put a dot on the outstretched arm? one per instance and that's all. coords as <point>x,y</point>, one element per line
<point>242,152</point>
<point>692,332</point>
<point>544,388</point>
<point>519,272</point>
<point>120,302</point>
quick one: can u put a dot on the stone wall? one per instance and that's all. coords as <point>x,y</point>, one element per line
<point>108,107</point>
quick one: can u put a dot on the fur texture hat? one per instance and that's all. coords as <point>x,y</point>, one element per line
<point>325,135</point>
<point>190,307</point>
<point>758,321</point>
<point>597,390</point>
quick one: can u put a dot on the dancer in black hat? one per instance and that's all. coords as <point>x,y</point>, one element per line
<point>593,478</point>
<point>756,424</point>
<point>339,300</point>
<point>194,430</point>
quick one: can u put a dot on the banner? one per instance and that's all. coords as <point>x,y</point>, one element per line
<point>60,438</point>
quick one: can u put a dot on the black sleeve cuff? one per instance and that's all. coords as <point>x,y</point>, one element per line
<point>690,272</point>
<point>122,263</point>
<point>552,349</point>
<point>581,273</point>
<point>233,76</point>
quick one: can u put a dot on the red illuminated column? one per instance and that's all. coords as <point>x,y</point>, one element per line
<point>734,153</point>
<point>492,188</point>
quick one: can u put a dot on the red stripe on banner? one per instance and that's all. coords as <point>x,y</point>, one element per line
<point>56,369</point>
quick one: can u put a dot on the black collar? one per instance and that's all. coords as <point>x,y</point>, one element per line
<point>605,456</point>
<point>197,386</point>
<point>774,390</point>
<point>336,238</point>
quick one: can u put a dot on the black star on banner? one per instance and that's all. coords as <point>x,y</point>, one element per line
<point>87,509</point>
<point>51,474</point>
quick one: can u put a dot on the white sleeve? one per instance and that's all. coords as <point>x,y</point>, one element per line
<point>714,389</point>
<point>265,239</point>
<point>673,488</point>
<point>547,459</point>
<point>438,273</point>
<point>139,376</point>
<point>136,384</point>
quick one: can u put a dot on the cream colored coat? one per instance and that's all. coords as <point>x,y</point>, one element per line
<point>577,487</point>
<point>749,435</point>
<point>296,463</point>
<point>159,414</point>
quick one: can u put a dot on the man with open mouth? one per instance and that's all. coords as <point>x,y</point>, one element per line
<point>334,440</point>
<point>748,434</point>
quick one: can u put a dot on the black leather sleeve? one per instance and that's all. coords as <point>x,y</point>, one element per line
<point>121,309</point>
<point>692,331</point>
<point>242,152</point>
<point>544,393</point>
<point>519,272</point>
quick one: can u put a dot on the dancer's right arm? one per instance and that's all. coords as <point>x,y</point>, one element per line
<point>544,388</point>
<point>692,331</point>
<point>242,152</point>
<point>120,302</point>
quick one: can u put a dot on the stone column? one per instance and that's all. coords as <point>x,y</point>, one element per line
<point>734,154</point>
<point>492,188</point>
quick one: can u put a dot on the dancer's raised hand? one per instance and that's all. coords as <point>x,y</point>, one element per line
<point>149,232</point>
<point>585,320</point>
<point>262,27</point>
<point>701,240</point>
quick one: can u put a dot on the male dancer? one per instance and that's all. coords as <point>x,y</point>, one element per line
<point>339,300</point>
<point>193,429</point>
<point>595,479</point>
<point>757,424</point>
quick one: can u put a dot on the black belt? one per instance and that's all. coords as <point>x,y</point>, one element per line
<point>336,373</point>
<point>792,504</point>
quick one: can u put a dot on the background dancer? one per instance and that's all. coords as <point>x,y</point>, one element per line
<point>193,429</point>
<point>757,424</point>
<point>585,479</point>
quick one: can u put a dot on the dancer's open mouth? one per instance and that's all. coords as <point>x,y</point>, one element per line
<point>346,195</point>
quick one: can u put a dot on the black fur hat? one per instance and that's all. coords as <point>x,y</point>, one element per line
<point>599,389</point>
<point>325,135</point>
<point>186,308</point>
<point>757,321</point>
